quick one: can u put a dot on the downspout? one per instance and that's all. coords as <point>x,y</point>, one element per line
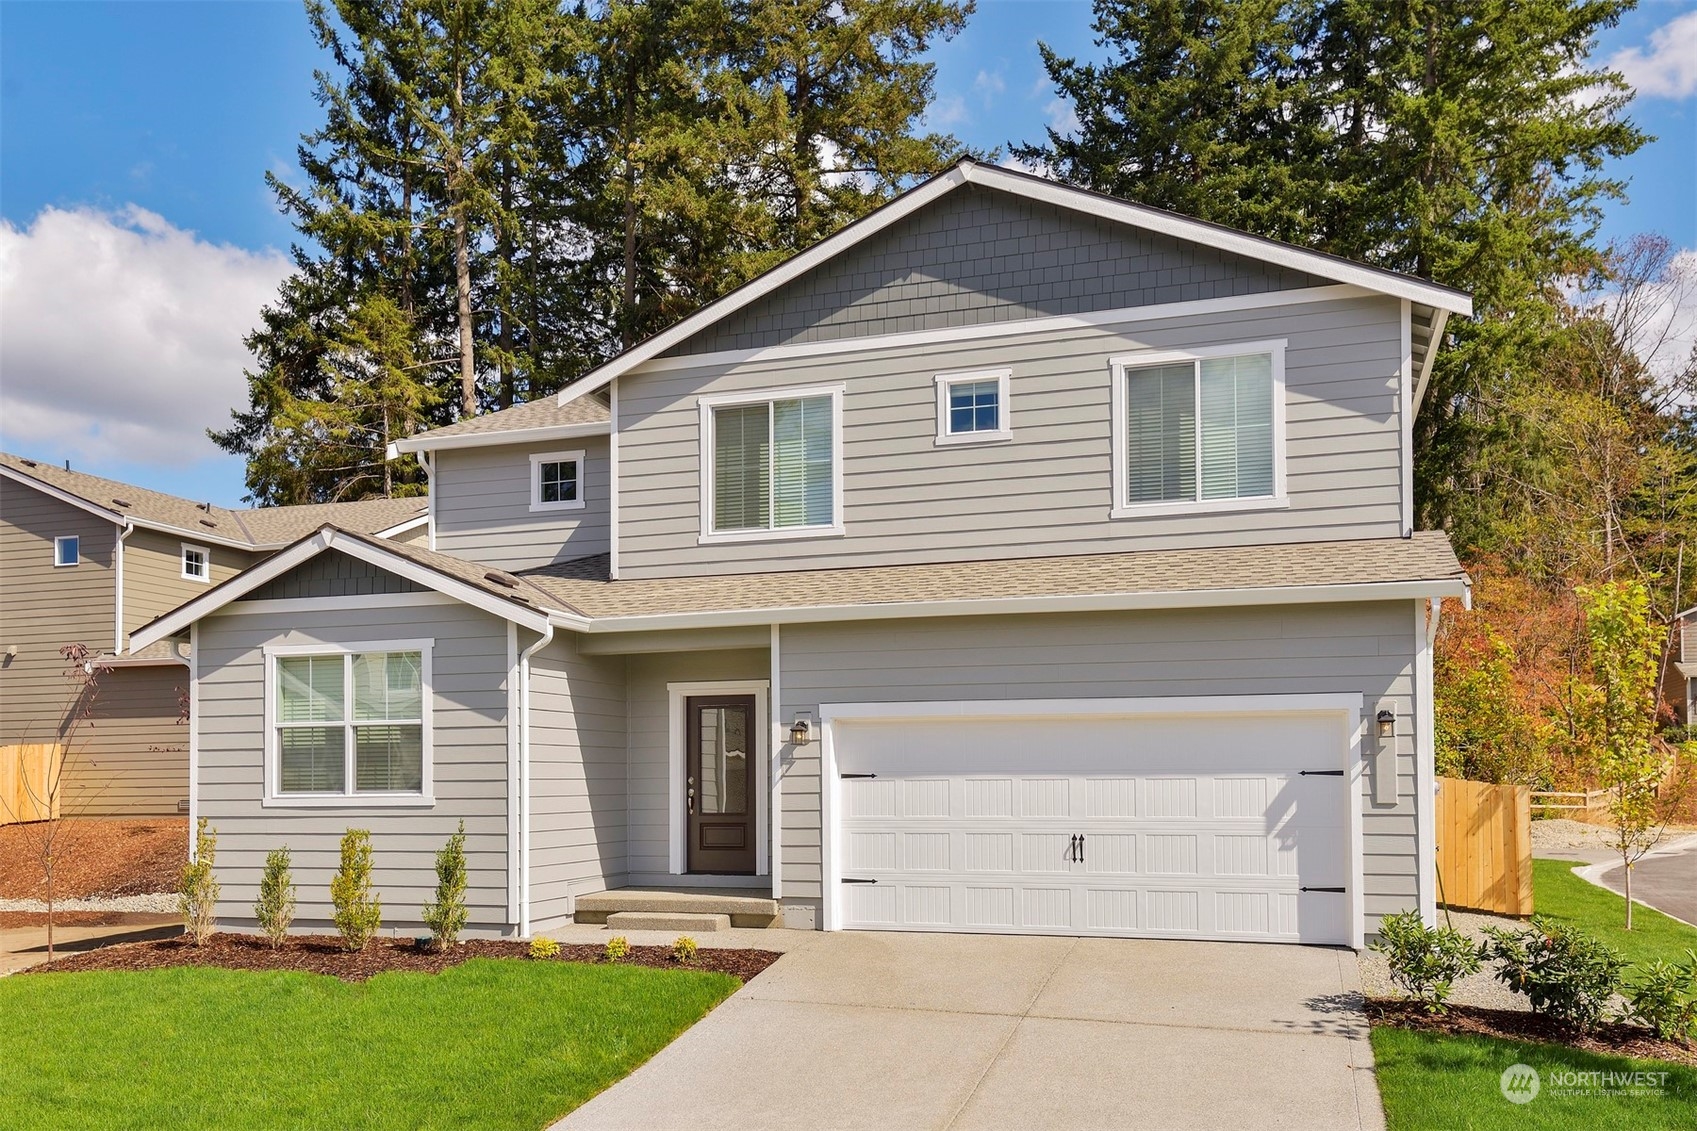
<point>542,642</point>
<point>118,568</point>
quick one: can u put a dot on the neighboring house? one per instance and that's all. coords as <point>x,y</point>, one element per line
<point>85,560</point>
<point>1016,559</point>
<point>1680,687</point>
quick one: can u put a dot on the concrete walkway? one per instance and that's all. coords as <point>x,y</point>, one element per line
<point>880,1031</point>
<point>23,947</point>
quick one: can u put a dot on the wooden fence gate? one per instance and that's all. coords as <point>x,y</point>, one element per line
<point>1485,846</point>
<point>28,774</point>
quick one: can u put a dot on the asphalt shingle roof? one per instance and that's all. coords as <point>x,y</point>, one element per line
<point>544,412</point>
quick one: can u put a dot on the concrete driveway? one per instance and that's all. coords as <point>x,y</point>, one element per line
<point>883,1031</point>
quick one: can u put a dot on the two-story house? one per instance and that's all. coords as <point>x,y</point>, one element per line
<point>1679,689</point>
<point>86,560</point>
<point>1017,559</point>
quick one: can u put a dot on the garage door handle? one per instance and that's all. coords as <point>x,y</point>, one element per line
<point>1081,848</point>
<point>1339,891</point>
<point>1319,773</point>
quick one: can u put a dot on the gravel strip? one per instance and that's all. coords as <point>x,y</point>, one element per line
<point>160,904</point>
<point>1481,989</point>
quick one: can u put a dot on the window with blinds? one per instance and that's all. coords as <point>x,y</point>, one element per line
<point>350,723</point>
<point>774,465</point>
<point>1200,430</point>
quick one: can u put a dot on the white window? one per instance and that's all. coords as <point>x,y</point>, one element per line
<point>556,481</point>
<point>973,407</point>
<point>1200,430</point>
<point>67,550</point>
<point>348,725</point>
<point>772,465</point>
<point>197,563</point>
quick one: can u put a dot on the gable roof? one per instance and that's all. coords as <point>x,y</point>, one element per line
<point>547,418</point>
<point>259,528</point>
<point>966,171</point>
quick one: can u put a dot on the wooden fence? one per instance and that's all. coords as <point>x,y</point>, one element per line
<point>1485,846</point>
<point>1569,802</point>
<point>26,773</point>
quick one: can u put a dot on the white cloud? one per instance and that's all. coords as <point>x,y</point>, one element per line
<point>945,113</point>
<point>121,334</point>
<point>988,85</point>
<point>1063,119</point>
<point>1668,69</point>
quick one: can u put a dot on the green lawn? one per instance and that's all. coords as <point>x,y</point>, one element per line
<point>1560,894</point>
<point>488,1044</point>
<point>1443,1083</point>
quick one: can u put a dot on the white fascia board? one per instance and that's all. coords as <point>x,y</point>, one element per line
<point>119,517</point>
<point>1009,606</point>
<point>427,443</point>
<point>142,662</point>
<point>1094,708</point>
<point>757,288</point>
<point>1438,319</point>
<point>205,605</point>
<point>1224,239</point>
<point>403,527</point>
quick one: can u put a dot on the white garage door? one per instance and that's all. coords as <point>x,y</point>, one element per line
<point>1157,826</point>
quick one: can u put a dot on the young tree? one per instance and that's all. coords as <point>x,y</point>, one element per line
<point>446,917</point>
<point>359,911</point>
<point>197,898</point>
<point>1631,762</point>
<point>275,908</point>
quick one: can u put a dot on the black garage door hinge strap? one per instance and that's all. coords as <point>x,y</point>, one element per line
<point>1319,773</point>
<point>1337,890</point>
<point>857,775</point>
<point>847,880</point>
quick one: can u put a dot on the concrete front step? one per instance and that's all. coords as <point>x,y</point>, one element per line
<point>744,907</point>
<point>664,921</point>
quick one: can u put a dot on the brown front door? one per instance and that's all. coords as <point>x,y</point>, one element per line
<point>720,783</point>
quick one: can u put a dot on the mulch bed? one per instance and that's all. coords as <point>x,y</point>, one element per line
<point>323,954</point>
<point>1612,1039</point>
<point>95,857</point>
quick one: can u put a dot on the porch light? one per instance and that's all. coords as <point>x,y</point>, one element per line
<point>801,731</point>
<point>1387,724</point>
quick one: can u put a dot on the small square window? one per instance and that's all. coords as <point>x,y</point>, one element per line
<point>972,407</point>
<point>556,481</point>
<point>197,563</point>
<point>67,550</point>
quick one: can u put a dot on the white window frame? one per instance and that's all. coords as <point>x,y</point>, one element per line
<point>1004,423</point>
<point>1117,366</point>
<point>205,559</point>
<point>536,462</point>
<point>59,561</point>
<point>712,402</point>
<point>274,797</point>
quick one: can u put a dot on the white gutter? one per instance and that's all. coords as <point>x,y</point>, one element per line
<point>524,777</point>
<point>426,443</point>
<point>118,568</point>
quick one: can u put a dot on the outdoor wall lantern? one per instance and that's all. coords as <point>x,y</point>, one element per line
<point>801,731</point>
<point>1387,724</point>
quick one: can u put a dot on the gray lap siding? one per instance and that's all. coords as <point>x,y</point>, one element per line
<point>1365,649</point>
<point>469,753</point>
<point>483,505</point>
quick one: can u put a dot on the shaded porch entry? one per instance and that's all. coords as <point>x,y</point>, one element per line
<point>720,780</point>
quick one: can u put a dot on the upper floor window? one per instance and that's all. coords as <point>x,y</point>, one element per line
<point>772,464</point>
<point>197,563</point>
<point>349,723</point>
<point>973,406</point>
<point>1200,430</point>
<point>67,550</point>
<point>556,481</point>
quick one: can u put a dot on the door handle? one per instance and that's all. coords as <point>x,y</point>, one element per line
<point>1081,848</point>
<point>1073,849</point>
<point>690,795</point>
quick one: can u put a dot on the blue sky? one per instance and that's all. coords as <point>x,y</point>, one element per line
<point>139,237</point>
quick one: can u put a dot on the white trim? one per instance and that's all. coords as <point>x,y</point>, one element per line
<point>537,459</point>
<point>1405,415</point>
<point>920,341</point>
<point>613,485</point>
<point>118,634</point>
<point>403,527</point>
<point>1439,318</point>
<point>997,606</point>
<point>1004,407</point>
<point>1032,188</point>
<point>278,564</point>
<point>1196,706</point>
<point>140,661</point>
<point>428,462</point>
<point>118,517</point>
<point>194,733</point>
<point>709,404</point>
<point>316,604</point>
<point>205,552</point>
<point>536,646</point>
<point>1426,614</point>
<point>779,739</point>
<point>59,561</point>
<point>512,773</point>
<point>677,695</point>
<point>272,796</point>
<point>425,442</point>
<point>1122,507</point>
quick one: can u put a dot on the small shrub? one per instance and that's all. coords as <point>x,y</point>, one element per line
<point>1666,999</point>
<point>685,950</point>
<point>446,917</point>
<point>198,900</point>
<point>544,947</point>
<point>1425,961</point>
<point>618,948</point>
<point>1569,975</point>
<point>358,912</point>
<point>275,908</point>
